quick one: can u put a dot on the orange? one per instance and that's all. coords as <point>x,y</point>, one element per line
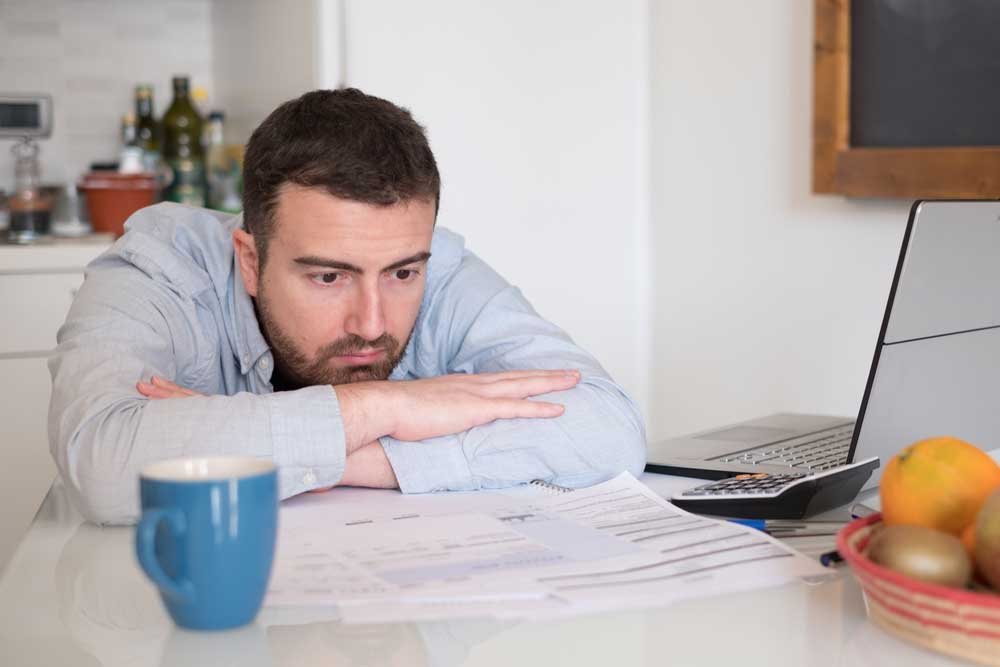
<point>939,483</point>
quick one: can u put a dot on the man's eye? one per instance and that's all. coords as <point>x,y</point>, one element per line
<point>326,278</point>
<point>404,274</point>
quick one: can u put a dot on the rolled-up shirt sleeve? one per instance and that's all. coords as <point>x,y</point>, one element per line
<point>102,432</point>
<point>493,328</point>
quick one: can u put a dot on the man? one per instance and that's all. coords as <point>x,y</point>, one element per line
<point>330,328</point>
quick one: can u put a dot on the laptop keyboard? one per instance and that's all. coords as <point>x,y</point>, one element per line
<point>826,450</point>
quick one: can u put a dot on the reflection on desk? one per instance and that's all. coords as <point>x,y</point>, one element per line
<point>104,602</point>
<point>73,595</point>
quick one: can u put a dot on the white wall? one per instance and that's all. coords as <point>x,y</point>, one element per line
<point>536,112</point>
<point>767,298</point>
<point>263,54</point>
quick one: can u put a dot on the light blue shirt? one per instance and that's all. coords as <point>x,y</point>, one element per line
<point>167,299</point>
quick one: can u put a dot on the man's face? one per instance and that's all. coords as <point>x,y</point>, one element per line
<point>341,286</point>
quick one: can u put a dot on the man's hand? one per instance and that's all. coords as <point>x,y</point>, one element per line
<point>157,387</point>
<point>421,409</point>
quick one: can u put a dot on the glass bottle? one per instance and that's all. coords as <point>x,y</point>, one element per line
<point>130,158</point>
<point>129,131</point>
<point>215,157</point>
<point>223,170</point>
<point>147,129</point>
<point>182,148</point>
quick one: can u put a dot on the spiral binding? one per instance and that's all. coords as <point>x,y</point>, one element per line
<point>554,488</point>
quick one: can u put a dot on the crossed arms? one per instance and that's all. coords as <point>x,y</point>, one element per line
<point>418,410</point>
<point>469,424</point>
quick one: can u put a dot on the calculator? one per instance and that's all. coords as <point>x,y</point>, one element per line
<point>778,495</point>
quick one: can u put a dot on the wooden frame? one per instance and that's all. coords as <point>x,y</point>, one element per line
<point>906,173</point>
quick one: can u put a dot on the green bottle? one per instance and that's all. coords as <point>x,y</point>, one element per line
<point>147,129</point>
<point>182,149</point>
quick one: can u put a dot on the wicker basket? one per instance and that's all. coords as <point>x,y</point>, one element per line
<point>948,620</point>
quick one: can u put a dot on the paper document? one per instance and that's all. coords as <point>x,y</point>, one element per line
<point>613,545</point>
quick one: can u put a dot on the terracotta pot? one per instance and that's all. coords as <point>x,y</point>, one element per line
<point>113,197</point>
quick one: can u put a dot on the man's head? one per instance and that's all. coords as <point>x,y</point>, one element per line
<point>340,196</point>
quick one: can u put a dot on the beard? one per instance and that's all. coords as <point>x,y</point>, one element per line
<point>293,369</point>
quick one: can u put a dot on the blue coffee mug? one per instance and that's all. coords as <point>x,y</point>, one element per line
<point>206,537</point>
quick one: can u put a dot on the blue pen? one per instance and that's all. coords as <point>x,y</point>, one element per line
<point>759,524</point>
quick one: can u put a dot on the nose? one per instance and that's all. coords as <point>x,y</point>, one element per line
<point>366,318</point>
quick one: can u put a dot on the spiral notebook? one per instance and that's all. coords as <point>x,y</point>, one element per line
<point>548,487</point>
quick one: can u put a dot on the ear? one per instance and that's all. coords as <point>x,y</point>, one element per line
<point>246,254</point>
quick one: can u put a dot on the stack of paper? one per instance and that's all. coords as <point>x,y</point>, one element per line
<point>615,545</point>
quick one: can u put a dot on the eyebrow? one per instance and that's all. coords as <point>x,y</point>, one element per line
<point>313,260</point>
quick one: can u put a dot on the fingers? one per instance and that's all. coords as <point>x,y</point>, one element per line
<point>514,409</point>
<point>159,388</point>
<point>152,391</point>
<point>529,386</point>
<point>170,386</point>
<point>423,409</point>
<point>522,375</point>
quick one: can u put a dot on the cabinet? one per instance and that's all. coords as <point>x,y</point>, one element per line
<point>37,286</point>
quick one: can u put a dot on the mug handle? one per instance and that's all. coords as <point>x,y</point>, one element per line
<point>145,541</point>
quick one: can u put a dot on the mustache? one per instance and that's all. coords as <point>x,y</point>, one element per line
<point>351,343</point>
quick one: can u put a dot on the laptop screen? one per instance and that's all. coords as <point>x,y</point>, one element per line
<point>936,368</point>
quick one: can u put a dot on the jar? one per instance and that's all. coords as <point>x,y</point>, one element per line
<point>29,208</point>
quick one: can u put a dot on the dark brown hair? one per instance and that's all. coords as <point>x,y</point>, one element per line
<point>352,145</point>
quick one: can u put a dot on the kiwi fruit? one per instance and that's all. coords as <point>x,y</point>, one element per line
<point>922,553</point>
<point>987,542</point>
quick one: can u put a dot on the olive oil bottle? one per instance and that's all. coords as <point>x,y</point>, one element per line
<point>182,148</point>
<point>147,129</point>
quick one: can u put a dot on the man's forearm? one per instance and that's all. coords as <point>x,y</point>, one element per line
<point>369,467</point>
<point>101,445</point>
<point>366,413</point>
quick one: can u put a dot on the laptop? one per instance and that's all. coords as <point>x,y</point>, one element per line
<point>936,369</point>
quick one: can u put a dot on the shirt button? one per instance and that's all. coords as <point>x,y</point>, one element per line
<point>309,478</point>
<point>246,359</point>
<point>264,363</point>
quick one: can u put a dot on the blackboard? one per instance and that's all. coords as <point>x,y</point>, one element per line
<point>906,98</point>
<point>924,73</point>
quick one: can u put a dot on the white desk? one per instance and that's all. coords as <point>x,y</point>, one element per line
<point>73,595</point>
